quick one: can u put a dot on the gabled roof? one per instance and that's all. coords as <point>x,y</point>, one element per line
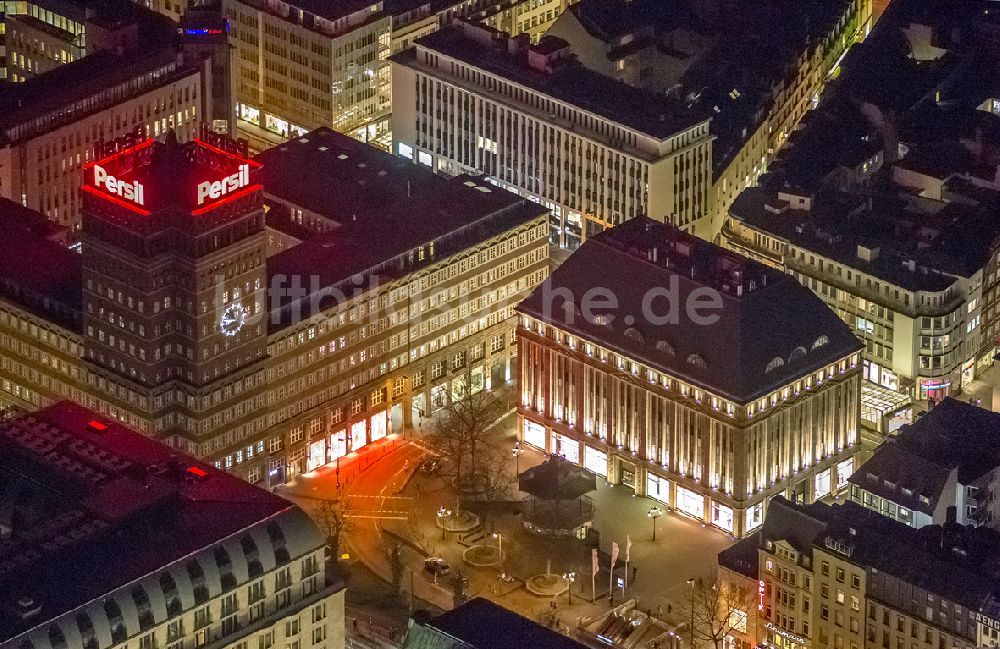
<point>954,436</point>
<point>769,331</point>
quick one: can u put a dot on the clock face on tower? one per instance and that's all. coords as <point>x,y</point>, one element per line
<point>233,319</point>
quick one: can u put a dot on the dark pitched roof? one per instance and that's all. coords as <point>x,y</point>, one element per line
<point>484,625</point>
<point>954,436</point>
<point>893,468</point>
<point>957,563</point>
<point>742,556</point>
<point>94,507</point>
<point>643,111</point>
<point>799,525</point>
<point>765,314</point>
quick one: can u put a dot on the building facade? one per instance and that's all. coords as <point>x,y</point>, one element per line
<point>272,366</point>
<point>841,576</point>
<point>298,68</point>
<point>132,72</point>
<point>757,67</point>
<point>946,460</point>
<point>919,319</point>
<point>711,419</point>
<point>211,560</point>
<point>594,151</point>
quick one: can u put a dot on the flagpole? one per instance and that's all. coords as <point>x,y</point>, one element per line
<point>611,577</point>
<point>593,575</point>
<point>628,551</point>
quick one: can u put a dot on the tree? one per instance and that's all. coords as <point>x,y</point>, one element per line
<point>457,583</point>
<point>333,518</point>
<point>394,554</point>
<point>462,433</point>
<point>720,609</point>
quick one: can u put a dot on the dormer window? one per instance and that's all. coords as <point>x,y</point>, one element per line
<point>697,361</point>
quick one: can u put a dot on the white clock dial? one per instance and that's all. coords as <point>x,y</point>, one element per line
<point>233,319</point>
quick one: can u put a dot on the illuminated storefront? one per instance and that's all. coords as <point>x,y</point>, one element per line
<point>934,389</point>
<point>379,426</point>
<point>595,460</point>
<point>459,385</point>
<point>478,379</point>
<point>317,455</point>
<point>250,114</point>
<point>722,516</point>
<point>753,517</point>
<point>534,434</point>
<point>567,447</point>
<point>358,438</point>
<point>337,446</point>
<point>658,488</point>
<point>690,503</point>
<point>276,125</point>
<point>439,397</point>
<point>844,471</point>
<point>822,484</point>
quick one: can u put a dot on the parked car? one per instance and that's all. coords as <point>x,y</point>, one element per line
<point>437,566</point>
<point>430,465</point>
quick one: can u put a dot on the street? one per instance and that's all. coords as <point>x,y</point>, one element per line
<point>390,501</point>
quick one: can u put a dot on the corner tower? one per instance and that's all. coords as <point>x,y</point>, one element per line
<point>173,263</point>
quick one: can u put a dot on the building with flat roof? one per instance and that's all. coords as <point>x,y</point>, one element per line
<point>697,377</point>
<point>530,118</point>
<point>108,538</point>
<point>371,293</point>
<point>151,81</point>
<point>947,459</point>
<point>756,67</point>
<point>844,575</point>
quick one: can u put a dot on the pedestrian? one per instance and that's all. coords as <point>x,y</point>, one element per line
<point>355,625</point>
<point>634,570</point>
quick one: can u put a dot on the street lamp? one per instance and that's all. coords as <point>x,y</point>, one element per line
<point>654,513</point>
<point>443,515</point>
<point>691,584</point>
<point>499,537</point>
<point>570,577</point>
<point>516,452</point>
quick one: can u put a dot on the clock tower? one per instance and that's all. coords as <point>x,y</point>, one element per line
<point>174,267</point>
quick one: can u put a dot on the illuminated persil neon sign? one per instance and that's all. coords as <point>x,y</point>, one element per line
<point>130,191</point>
<point>213,189</point>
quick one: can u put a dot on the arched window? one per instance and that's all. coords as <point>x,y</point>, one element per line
<point>775,363</point>
<point>819,342</point>
<point>796,354</point>
<point>697,361</point>
<point>602,319</point>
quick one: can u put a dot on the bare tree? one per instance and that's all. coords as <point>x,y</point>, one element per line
<point>394,554</point>
<point>462,433</point>
<point>720,608</point>
<point>333,518</point>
